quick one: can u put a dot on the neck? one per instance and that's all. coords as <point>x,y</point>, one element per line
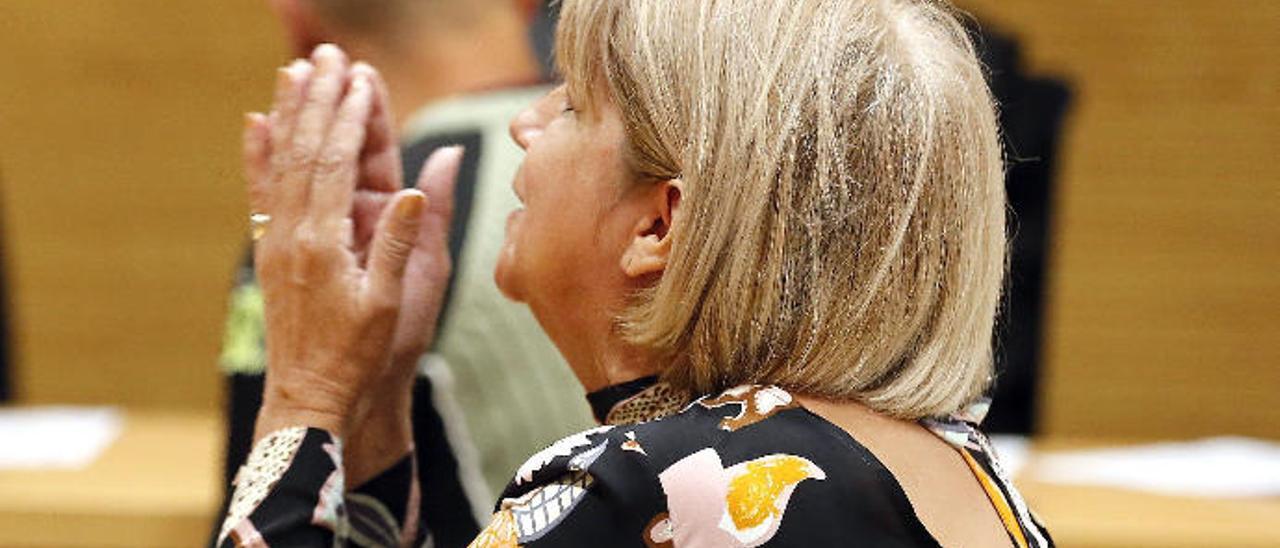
<point>608,362</point>
<point>619,362</point>
<point>599,357</point>
<point>440,63</point>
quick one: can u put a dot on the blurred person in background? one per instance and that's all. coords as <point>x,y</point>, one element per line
<point>494,389</point>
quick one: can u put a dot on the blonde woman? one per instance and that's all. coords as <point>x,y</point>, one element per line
<point>767,236</point>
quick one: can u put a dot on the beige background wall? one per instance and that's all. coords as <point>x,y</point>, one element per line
<point>122,196</point>
<point>122,202</point>
<point>1164,315</point>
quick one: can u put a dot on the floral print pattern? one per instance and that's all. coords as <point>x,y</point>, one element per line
<point>749,467</point>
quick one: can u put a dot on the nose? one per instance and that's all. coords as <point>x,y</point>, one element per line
<point>527,126</point>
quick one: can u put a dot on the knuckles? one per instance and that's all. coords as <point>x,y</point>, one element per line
<point>332,162</point>
<point>302,153</point>
<point>310,241</point>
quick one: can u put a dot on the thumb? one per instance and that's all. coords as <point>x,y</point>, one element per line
<point>437,180</point>
<point>393,242</point>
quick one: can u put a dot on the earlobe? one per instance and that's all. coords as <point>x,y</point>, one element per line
<point>645,256</point>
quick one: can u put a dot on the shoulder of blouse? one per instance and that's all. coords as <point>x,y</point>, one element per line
<point>723,471</point>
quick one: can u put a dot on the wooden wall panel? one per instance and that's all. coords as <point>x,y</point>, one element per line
<point>119,123</point>
<point>1164,316</point>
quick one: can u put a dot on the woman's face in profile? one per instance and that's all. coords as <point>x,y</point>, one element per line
<point>563,246</point>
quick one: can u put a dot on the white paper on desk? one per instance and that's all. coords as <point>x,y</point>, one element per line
<point>56,437</point>
<point>1011,451</point>
<point>1226,467</point>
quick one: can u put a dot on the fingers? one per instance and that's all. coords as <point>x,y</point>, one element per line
<point>257,160</point>
<point>291,88</point>
<point>437,180</point>
<point>381,168</point>
<point>311,128</point>
<point>336,167</point>
<point>365,211</point>
<point>393,242</point>
<point>333,149</point>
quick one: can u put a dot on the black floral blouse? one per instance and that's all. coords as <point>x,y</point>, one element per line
<point>749,467</point>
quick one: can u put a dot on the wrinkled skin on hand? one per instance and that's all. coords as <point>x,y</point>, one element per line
<point>352,269</point>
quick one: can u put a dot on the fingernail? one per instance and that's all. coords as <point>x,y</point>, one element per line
<point>298,70</point>
<point>359,82</point>
<point>410,207</point>
<point>325,50</point>
<point>456,150</point>
<point>254,120</point>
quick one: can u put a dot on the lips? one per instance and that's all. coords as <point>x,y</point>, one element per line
<point>514,217</point>
<point>515,183</point>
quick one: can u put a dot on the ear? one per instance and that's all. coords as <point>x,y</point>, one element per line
<point>301,24</point>
<point>652,237</point>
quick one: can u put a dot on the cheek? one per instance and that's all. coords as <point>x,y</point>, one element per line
<point>556,227</point>
<point>559,244</point>
<point>540,236</point>
<point>554,249</point>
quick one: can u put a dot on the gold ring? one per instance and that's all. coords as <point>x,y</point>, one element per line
<point>258,225</point>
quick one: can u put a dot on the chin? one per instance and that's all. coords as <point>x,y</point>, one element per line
<point>506,271</point>
<point>504,278</point>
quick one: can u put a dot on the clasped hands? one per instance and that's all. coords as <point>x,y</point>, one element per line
<point>352,268</point>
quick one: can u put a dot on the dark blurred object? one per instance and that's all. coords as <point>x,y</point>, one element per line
<point>543,35</point>
<point>1032,109</point>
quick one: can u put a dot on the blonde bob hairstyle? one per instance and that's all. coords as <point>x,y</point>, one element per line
<point>841,231</point>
